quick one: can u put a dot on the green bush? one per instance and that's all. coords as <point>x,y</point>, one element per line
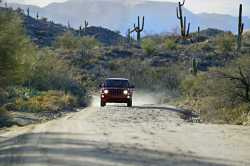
<point>146,77</point>
<point>3,112</point>
<point>3,96</point>
<point>170,44</point>
<point>246,40</point>
<point>225,43</point>
<point>52,73</point>
<point>67,41</point>
<point>21,92</point>
<point>222,95</point>
<point>89,42</point>
<point>70,43</point>
<point>149,46</point>
<point>215,110</point>
<point>195,86</point>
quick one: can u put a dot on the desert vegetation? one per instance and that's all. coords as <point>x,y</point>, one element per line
<point>34,79</point>
<point>205,71</point>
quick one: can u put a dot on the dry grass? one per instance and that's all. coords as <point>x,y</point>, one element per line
<point>47,101</point>
<point>3,112</point>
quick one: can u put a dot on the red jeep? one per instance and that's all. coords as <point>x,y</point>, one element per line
<point>116,90</point>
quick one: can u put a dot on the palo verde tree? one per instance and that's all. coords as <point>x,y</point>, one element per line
<point>238,73</point>
<point>17,53</point>
<point>184,28</point>
<point>240,29</point>
<point>138,28</point>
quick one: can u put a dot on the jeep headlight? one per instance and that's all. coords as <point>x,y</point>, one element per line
<point>125,92</point>
<point>106,91</point>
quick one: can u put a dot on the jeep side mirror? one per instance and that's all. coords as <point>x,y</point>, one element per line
<point>132,86</point>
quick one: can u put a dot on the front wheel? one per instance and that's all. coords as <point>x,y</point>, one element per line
<point>103,104</point>
<point>129,103</point>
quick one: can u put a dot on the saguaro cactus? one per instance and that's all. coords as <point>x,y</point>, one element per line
<point>80,30</point>
<point>240,29</point>
<point>138,29</point>
<point>184,28</point>
<point>37,15</point>
<point>198,34</point>
<point>194,67</point>
<point>83,52</point>
<point>129,35</point>
<point>28,12</point>
<point>86,24</point>
<point>69,26</point>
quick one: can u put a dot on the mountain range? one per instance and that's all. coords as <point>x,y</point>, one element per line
<point>119,15</point>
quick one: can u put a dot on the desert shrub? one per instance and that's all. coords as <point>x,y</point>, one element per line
<point>225,43</point>
<point>52,73</point>
<point>4,118</point>
<point>3,113</point>
<point>246,39</point>
<point>222,94</point>
<point>18,92</point>
<point>149,46</point>
<point>204,47</point>
<point>46,101</point>
<point>89,42</point>
<point>215,110</point>
<point>235,76</point>
<point>17,52</point>
<point>67,41</point>
<point>170,44</point>
<point>167,77</point>
<point>3,96</point>
<point>236,115</point>
<point>194,86</point>
<point>70,43</point>
<point>21,92</point>
<point>146,77</point>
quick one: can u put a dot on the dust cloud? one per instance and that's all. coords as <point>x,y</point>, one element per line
<point>140,98</point>
<point>147,98</point>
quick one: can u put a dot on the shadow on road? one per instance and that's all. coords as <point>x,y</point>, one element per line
<point>159,108</point>
<point>185,114</point>
<point>64,150</point>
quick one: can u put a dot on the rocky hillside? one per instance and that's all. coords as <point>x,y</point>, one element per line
<point>44,32</point>
<point>122,14</point>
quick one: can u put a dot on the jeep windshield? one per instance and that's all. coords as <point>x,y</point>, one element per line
<point>116,83</point>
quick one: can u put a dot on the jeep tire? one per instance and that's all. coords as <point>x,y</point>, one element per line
<point>129,103</point>
<point>103,104</point>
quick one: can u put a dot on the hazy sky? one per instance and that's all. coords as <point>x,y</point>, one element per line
<point>197,6</point>
<point>36,2</point>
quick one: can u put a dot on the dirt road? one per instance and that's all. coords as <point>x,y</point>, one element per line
<point>120,136</point>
